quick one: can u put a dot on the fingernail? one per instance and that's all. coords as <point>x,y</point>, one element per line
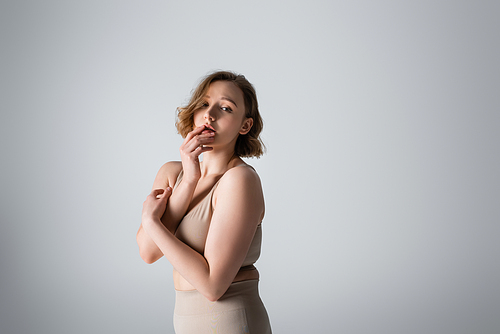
<point>169,189</point>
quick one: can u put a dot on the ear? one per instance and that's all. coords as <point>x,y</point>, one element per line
<point>246,126</point>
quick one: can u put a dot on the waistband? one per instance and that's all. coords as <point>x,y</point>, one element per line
<point>192,302</point>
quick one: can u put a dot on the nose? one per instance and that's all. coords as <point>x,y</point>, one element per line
<point>209,114</point>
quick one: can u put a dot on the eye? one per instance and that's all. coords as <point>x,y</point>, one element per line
<point>226,109</point>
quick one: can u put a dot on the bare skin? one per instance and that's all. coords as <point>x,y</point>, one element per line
<point>238,200</point>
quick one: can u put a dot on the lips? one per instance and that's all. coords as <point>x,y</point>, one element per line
<point>208,128</point>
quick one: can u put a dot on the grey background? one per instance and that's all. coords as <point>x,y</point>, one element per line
<point>381,178</point>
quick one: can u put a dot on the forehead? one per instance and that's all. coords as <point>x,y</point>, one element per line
<point>227,89</point>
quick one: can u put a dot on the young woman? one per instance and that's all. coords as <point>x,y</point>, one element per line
<point>205,217</point>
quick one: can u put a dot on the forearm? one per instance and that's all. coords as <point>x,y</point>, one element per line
<point>148,250</point>
<point>178,204</point>
<point>175,210</point>
<point>188,262</point>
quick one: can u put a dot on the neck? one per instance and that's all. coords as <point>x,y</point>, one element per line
<point>218,162</point>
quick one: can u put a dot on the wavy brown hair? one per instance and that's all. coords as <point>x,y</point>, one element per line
<point>247,145</point>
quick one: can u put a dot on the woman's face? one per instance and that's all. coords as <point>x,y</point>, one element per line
<point>224,110</point>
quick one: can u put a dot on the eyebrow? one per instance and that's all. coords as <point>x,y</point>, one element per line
<point>225,98</point>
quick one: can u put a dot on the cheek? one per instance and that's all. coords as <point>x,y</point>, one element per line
<point>197,116</point>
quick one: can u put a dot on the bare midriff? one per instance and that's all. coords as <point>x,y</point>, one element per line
<point>244,274</point>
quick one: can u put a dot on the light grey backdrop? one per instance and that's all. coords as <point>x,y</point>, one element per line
<point>381,178</point>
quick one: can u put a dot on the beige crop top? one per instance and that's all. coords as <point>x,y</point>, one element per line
<point>193,228</point>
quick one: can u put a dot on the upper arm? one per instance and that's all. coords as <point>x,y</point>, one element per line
<point>167,175</point>
<point>239,208</point>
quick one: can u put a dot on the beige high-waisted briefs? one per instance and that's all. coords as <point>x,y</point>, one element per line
<point>239,310</point>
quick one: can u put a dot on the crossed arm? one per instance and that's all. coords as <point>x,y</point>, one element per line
<point>239,209</point>
<point>176,207</point>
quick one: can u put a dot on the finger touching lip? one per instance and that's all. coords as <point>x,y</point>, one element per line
<point>208,127</point>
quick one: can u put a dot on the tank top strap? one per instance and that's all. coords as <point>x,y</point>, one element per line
<point>181,174</point>
<point>179,179</point>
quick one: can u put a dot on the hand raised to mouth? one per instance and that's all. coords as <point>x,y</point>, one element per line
<point>192,147</point>
<point>208,128</point>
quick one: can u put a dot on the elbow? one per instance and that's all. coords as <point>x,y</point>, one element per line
<point>148,258</point>
<point>147,255</point>
<point>213,297</point>
<point>214,294</point>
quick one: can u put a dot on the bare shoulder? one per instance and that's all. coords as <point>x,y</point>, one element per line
<point>242,176</point>
<point>167,175</point>
<point>241,187</point>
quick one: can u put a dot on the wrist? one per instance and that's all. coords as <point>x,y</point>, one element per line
<point>190,182</point>
<point>149,221</point>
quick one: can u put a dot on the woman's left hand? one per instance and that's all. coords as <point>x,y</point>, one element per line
<point>154,206</point>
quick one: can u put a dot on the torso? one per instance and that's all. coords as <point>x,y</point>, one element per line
<point>181,284</point>
<point>203,188</point>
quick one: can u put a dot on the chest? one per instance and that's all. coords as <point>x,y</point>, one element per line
<point>204,191</point>
<point>194,226</point>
